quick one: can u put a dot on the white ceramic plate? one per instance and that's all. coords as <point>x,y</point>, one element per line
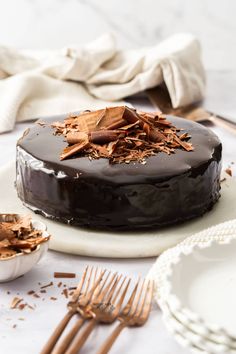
<point>192,337</point>
<point>202,286</point>
<point>120,245</point>
<point>220,233</point>
<point>201,329</point>
<point>193,341</point>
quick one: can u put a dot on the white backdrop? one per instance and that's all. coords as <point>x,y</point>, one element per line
<point>55,23</point>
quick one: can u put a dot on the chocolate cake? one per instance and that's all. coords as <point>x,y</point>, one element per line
<point>119,169</point>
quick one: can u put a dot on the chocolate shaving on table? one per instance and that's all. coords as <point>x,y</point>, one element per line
<point>64,275</point>
<point>17,235</point>
<point>15,302</point>
<point>229,171</point>
<point>120,134</point>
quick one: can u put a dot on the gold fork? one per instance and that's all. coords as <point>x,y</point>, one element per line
<point>135,313</point>
<point>105,308</point>
<point>83,311</point>
<point>81,297</point>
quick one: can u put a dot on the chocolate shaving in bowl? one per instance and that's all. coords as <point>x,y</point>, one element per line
<point>120,134</point>
<point>17,235</point>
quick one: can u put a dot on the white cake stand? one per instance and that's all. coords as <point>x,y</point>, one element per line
<point>80,241</point>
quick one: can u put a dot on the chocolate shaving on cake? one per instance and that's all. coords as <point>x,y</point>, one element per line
<point>120,134</point>
<point>17,235</point>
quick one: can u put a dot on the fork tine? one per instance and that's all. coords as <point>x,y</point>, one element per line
<point>137,300</point>
<point>119,289</point>
<point>110,293</point>
<point>86,298</point>
<point>97,282</point>
<point>95,275</point>
<point>88,281</point>
<point>148,302</point>
<point>104,291</point>
<point>127,307</point>
<point>99,288</point>
<point>80,285</point>
<point>142,301</point>
<point>121,299</point>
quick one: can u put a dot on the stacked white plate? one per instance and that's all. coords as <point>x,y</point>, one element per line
<point>196,290</point>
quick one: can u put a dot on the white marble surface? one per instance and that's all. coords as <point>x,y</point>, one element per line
<point>55,23</point>
<point>31,333</point>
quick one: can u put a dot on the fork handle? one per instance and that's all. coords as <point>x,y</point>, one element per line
<point>69,337</point>
<point>106,346</point>
<point>78,343</point>
<point>57,333</point>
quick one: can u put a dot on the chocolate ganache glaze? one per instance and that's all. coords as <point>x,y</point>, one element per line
<point>95,193</point>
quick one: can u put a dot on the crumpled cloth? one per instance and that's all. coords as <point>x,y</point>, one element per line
<point>39,83</point>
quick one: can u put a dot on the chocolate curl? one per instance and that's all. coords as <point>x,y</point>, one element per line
<point>186,146</point>
<point>131,116</point>
<point>113,118</point>
<point>76,137</point>
<point>108,118</point>
<point>156,136</point>
<point>105,136</point>
<point>74,149</point>
<point>87,121</point>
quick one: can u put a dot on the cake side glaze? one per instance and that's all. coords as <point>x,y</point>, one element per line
<point>168,189</point>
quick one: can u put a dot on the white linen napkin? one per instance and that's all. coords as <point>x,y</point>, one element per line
<point>34,84</point>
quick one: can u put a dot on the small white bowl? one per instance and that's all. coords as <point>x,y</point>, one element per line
<point>19,264</point>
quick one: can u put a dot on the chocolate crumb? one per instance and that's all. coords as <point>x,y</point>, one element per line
<point>31,292</point>
<point>15,302</point>
<point>47,285</point>
<point>53,298</point>
<point>22,306</point>
<point>31,307</point>
<point>229,171</point>
<point>65,292</point>
<point>64,275</point>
